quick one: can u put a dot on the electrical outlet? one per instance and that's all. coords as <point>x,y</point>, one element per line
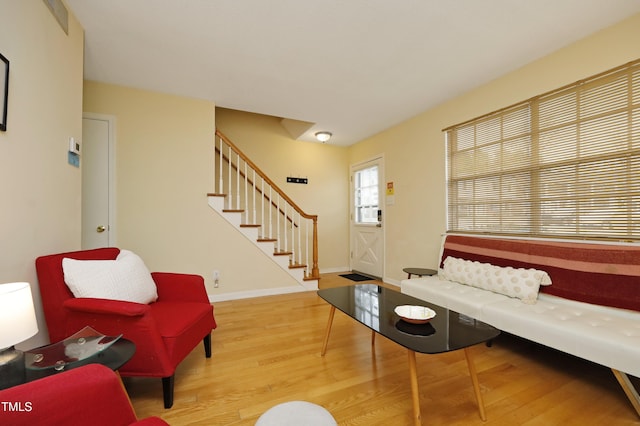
<point>216,278</point>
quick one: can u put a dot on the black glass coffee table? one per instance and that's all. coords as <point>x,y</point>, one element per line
<point>374,305</point>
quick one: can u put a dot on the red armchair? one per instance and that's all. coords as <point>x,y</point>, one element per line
<point>92,394</point>
<point>164,331</point>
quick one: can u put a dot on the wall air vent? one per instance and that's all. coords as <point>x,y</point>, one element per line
<point>60,12</point>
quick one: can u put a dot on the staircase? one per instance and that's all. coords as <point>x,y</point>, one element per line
<point>248,200</point>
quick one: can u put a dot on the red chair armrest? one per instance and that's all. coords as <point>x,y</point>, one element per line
<point>180,287</point>
<point>106,307</point>
<point>90,392</point>
<point>134,321</point>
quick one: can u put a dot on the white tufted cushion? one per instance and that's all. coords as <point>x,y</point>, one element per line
<point>126,278</point>
<point>513,282</point>
<point>451,295</point>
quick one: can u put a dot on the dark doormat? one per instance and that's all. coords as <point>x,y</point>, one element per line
<point>357,277</point>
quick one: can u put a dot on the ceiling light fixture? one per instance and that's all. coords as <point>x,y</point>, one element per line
<point>323,136</point>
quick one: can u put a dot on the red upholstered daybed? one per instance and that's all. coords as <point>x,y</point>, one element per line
<point>591,309</point>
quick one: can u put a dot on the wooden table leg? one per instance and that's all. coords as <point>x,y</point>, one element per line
<point>328,331</point>
<point>476,385</point>
<point>628,388</point>
<point>415,396</point>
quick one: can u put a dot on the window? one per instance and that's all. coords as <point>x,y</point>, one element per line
<point>366,195</point>
<point>566,163</point>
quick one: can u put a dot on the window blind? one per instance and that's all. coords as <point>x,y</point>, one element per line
<point>565,163</point>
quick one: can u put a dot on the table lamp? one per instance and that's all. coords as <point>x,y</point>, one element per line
<point>17,323</point>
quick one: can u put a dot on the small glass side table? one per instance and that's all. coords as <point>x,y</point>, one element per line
<point>114,357</point>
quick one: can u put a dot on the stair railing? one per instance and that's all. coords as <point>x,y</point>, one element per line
<point>263,204</point>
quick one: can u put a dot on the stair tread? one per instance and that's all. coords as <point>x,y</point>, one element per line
<point>282,253</point>
<point>233,211</point>
<point>267,240</point>
<point>250,225</point>
<point>297,265</point>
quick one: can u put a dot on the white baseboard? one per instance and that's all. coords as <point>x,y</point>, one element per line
<point>335,270</point>
<point>256,293</point>
<point>275,291</point>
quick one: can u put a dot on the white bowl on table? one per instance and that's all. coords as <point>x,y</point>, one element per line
<point>415,314</point>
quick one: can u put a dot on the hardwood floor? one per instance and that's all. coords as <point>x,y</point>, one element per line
<point>267,351</point>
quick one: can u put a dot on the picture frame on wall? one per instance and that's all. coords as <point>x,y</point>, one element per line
<point>4,91</point>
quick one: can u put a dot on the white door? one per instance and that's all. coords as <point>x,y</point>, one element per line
<point>367,236</point>
<point>97,177</point>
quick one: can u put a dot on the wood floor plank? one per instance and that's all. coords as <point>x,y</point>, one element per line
<point>266,351</point>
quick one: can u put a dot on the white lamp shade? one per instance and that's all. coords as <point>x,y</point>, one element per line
<point>17,315</point>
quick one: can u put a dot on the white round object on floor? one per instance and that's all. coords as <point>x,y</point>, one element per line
<point>296,413</point>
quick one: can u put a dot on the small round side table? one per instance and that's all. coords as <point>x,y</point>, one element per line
<point>419,272</point>
<point>114,357</point>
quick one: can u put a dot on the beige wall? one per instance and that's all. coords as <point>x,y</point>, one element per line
<point>273,150</point>
<point>415,149</point>
<point>40,191</point>
<point>164,169</point>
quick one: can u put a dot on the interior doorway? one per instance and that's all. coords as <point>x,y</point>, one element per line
<point>98,181</point>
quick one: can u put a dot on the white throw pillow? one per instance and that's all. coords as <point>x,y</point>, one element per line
<point>513,282</point>
<point>125,278</point>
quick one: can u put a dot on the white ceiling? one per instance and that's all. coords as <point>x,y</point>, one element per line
<point>353,67</point>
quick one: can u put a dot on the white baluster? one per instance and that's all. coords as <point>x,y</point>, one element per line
<point>307,244</point>
<point>255,218</point>
<point>246,195</point>
<point>264,229</point>
<point>270,212</point>
<point>221,180</point>
<point>230,193</point>
<point>284,228</point>
<point>238,182</point>
<point>278,237</point>
<point>215,162</point>
<point>299,238</point>
<point>293,235</point>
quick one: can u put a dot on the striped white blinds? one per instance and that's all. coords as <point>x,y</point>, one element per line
<point>565,163</point>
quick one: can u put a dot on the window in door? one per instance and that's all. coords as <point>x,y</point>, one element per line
<point>366,195</point>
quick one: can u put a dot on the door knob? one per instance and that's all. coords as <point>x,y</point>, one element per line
<point>101,228</point>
